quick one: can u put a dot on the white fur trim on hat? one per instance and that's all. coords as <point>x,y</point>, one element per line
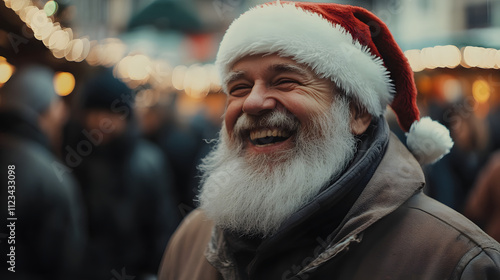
<point>428,140</point>
<point>308,38</point>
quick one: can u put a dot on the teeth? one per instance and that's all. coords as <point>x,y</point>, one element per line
<point>255,134</point>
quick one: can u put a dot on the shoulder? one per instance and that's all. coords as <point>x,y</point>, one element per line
<point>474,253</point>
<point>34,163</point>
<point>439,216</point>
<point>428,240</point>
<point>184,257</point>
<point>195,228</point>
<point>42,180</point>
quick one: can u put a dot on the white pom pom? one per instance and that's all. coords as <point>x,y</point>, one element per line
<point>428,140</point>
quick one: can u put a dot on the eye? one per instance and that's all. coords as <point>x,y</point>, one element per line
<point>285,83</point>
<point>239,90</point>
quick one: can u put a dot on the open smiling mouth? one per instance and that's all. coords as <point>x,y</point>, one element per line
<point>266,136</point>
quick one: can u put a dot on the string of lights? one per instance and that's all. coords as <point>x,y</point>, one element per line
<point>141,72</point>
<point>451,57</point>
<point>135,69</point>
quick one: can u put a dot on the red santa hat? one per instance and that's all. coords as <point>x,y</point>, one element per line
<point>348,45</point>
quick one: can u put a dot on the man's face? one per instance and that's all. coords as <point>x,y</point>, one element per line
<point>258,85</point>
<point>111,124</point>
<point>286,135</point>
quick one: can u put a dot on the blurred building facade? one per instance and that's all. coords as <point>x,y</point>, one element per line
<point>100,19</point>
<point>453,48</point>
<point>426,23</point>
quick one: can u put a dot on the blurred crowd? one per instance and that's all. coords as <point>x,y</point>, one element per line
<point>467,178</point>
<point>103,182</point>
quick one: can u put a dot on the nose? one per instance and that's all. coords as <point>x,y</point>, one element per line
<point>259,100</point>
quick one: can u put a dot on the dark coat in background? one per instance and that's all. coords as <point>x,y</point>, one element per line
<point>126,183</point>
<point>49,233</point>
<point>131,213</point>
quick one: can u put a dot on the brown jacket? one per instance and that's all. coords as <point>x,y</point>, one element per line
<point>393,231</point>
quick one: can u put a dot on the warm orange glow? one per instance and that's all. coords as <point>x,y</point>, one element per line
<point>64,83</point>
<point>6,70</point>
<point>481,91</point>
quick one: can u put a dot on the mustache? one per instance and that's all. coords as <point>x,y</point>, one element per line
<point>276,118</point>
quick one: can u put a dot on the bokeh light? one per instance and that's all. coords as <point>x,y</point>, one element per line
<point>178,75</point>
<point>139,67</point>
<point>481,91</point>
<point>6,70</point>
<point>18,5</point>
<point>450,56</point>
<point>50,8</point>
<point>64,83</point>
<point>196,81</point>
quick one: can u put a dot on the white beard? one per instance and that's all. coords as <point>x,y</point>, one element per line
<point>253,195</point>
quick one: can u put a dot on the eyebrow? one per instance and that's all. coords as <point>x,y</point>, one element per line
<point>289,68</point>
<point>233,76</point>
<point>277,68</point>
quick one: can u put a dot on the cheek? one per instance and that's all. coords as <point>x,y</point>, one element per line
<point>305,108</point>
<point>233,111</point>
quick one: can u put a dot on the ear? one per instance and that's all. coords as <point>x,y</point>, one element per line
<point>360,119</point>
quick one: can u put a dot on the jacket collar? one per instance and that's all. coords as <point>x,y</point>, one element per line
<point>397,178</point>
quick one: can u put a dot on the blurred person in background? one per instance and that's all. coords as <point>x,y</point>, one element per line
<point>184,144</point>
<point>207,124</point>
<point>451,179</point>
<point>126,187</point>
<point>49,233</point>
<point>306,181</point>
<point>179,143</point>
<point>493,120</point>
<point>483,203</point>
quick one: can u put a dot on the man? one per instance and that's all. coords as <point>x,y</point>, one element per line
<point>126,184</point>
<point>482,204</point>
<point>306,181</point>
<point>47,234</point>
